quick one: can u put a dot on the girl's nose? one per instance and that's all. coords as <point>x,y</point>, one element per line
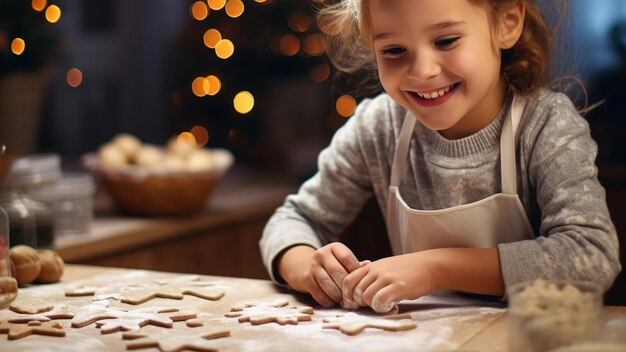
<point>423,67</point>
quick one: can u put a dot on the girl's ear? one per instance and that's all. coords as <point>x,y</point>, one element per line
<point>511,25</point>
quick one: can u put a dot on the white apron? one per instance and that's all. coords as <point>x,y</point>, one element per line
<point>499,218</point>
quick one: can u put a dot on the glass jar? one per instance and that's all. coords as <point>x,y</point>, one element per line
<point>8,284</point>
<point>31,222</point>
<point>71,199</point>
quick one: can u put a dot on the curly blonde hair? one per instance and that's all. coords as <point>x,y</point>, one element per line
<point>525,66</point>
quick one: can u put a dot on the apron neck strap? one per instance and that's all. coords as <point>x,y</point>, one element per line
<point>404,141</point>
<point>508,169</point>
<point>507,147</point>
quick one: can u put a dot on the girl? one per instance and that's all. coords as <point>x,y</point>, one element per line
<point>484,177</point>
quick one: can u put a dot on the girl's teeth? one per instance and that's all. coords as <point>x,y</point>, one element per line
<point>435,94</point>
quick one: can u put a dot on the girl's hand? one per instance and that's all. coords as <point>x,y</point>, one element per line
<point>318,272</point>
<point>385,282</point>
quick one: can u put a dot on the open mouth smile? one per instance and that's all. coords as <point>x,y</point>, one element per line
<point>435,97</point>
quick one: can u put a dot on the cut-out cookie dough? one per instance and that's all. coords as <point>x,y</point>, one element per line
<point>18,331</point>
<point>30,305</point>
<point>178,341</point>
<point>61,311</point>
<point>355,325</point>
<point>81,291</point>
<point>263,312</point>
<point>136,319</point>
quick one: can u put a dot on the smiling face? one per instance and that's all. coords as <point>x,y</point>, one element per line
<point>437,59</point>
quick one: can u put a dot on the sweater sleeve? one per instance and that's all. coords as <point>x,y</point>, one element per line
<point>576,240</point>
<point>329,201</point>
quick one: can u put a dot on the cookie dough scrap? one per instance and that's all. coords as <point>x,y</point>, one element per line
<point>354,326</point>
<point>178,341</point>
<point>172,292</point>
<point>28,305</point>
<point>61,311</point>
<point>81,291</point>
<point>18,331</point>
<point>276,311</point>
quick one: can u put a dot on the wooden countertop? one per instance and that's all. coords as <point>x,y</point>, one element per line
<point>242,194</point>
<point>444,323</point>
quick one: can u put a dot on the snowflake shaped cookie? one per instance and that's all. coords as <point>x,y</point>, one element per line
<point>277,311</point>
<point>355,325</point>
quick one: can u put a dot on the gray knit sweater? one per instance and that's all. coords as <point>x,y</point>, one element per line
<point>557,184</point>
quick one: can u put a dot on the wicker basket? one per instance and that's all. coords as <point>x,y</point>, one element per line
<point>156,192</point>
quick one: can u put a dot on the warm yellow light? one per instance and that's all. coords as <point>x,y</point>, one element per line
<point>216,4</point>
<point>214,85</point>
<point>200,86</point>
<point>186,137</point>
<point>320,72</point>
<point>234,8</point>
<point>53,13</point>
<point>243,102</point>
<point>74,77</point>
<point>345,105</point>
<point>260,1</point>
<point>211,37</point>
<point>18,45</point>
<point>201,135</point>
<point>299,22</point>
<point>38,5</point>
<point>199,10</point>
<point>314,45</point>
<point>224,49</point>
<point>289,45</point>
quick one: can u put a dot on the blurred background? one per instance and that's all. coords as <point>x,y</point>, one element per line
<point>249,76</point>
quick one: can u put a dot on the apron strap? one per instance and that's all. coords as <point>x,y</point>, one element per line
<point>400,157</point>
<point>508,170</point>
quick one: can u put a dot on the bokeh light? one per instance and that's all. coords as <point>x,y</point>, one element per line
<point>234,8</point>
<point>200,86</point>
<point>74,77</point>
<point>320,72</point>
<point>53,13</point>
<point>345,105</point>
<point>18,45</point>
<point>216,4</point>
<point>214,85</point>
<point>38,5</point>
<point>289,45</point>
<point>199,10</point>
<point>314,45</point>
<point>299,22</point>
<point>243,102</point>
<point>201,135</point>
<point>211,37</point>
<point>186,137</point>
<point>224,49</point>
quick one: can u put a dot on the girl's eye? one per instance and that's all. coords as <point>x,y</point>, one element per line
<point>393,51</point>
<point>446,42</point>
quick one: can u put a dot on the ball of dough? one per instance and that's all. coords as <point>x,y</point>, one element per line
<point>200,160</point>
<point>25,264</point>
<point>127,143</point>
<point>112,156</point>
<point>182,147</point>
<point>51,266</point>
<point>149,156</point>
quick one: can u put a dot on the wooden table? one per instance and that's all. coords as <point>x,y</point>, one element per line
<point>444,323</point>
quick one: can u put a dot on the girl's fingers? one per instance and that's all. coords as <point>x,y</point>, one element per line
<point>362,286</point>
<point>349,284</point>
<point>327,284</point>
<point>345,257</point>
<point>386,299</point>
<point>318,293</point>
